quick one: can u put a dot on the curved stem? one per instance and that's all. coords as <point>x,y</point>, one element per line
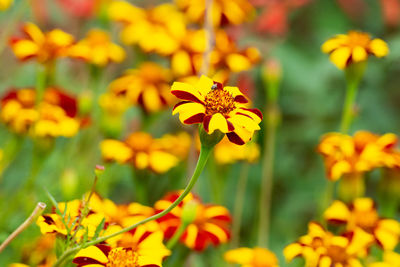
<point>203,157</point>
<point>175,238</point>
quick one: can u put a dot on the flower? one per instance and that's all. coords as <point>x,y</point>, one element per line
<point>177,144</point>
<point>45,47</point>
<point>322,248</point>
<point>256,257</point>
<point>142,150</point>
<point>226,152</point>
<point>55,116</point>
<point>159,29</point>
<point>223,11</point>
<point>353,47</point>
<point>149,251</point>
<point>390,259</point>
<point>97,49</point>
<point>344,154</point>
<point>5,4</point>
<point>217,108</point>
<point>362,213</point>
<point>147,86</point>
<point>210,225</point>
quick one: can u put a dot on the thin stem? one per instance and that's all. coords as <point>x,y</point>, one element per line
<point>35,213</point>
<point>348,113</point>
<point>203,157</point>
<point>41,82</point>
<point>271,124</point>
<point>177,235</point>
<point>239,201</point>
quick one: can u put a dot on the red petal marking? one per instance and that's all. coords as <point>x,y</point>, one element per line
<point>206,122</point>
<point>198,118</point>
<point>230,126</point>
<point>234,138</point>
<point>104,248</point>
<point>219,85</point>
<point>240,99</point>
<point>180,103</point>
<point>48,219</point>
<point>255,111</point>
<point>66,102</point>
<point>201,241</point>
<point>240,113</point>
<point>186,96</point>
<point>150,265</point>
<point>82,261</point>
<point>223,218</point>
<point>144,236</point>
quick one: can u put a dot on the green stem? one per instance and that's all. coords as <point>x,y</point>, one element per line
<point>239,201</point>
<point>41,80</point>
<point>271,124</point>
<point>203,157</point>
<point>177,235</point>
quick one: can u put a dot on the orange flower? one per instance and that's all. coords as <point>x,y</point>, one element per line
<point>210,225</point>
<point>147,86</point>
<point>45,47</point>
<point>362,213</point>
<point>217,108</point>
<point>344,154</point>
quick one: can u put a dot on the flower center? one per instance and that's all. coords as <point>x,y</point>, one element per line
<point>358,39</point>
<point>122,257</point>
<point>219,100</point>
<point>337,254</point>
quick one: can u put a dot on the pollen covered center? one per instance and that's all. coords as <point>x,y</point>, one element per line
<point>219,101</point>
<point>122,257</point>
<point>358,39</point>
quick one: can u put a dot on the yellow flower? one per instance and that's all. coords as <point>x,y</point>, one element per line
<point>45,47</point>
<point>344,154</point>
<point>362,213</point>
<point>353,47</point>
<point>226,152</point>
<point>147,86</point>
<point>113,104</point>
<point>390,259</point>
<point>159,29</point>
<point>97,49</point>
<point>5,4</point>
<point>256,257</point>
<point>217,108</point>
<point>140,149</point>
<point>321,248</point>
<point>223,11</point>
<point>176,144</point>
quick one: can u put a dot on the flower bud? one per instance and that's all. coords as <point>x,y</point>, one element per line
<point>210,140</point>
<point>189,212</point>
<point>99,170</point>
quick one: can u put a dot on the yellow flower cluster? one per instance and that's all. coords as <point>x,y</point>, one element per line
<point>256,257</point>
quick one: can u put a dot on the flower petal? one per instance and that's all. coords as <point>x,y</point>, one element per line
<point>186,91</point>
<point>379,47</point>
<point>218,122</point>
<point>91,255</point>
<point>340,56</point>
<point>187,110</point>
<point>359,54</point>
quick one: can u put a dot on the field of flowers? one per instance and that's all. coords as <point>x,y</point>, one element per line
<point>253,133</point>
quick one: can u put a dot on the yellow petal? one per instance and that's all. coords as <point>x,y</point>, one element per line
<point>239,256</point>
<point>291,251</point>
<point>338,211</point>
<point>340,56</point>
<point>379,47</point>
<point>359,54</point>
<point>92,252</point>
<point>238,62</point>
<point>188,110</point>
<point>161,161</point>
<point>181,64</point>
<point>218,122</point>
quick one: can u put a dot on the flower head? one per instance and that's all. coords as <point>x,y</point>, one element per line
<point>353,47</point>
<point>210,225</point>
<point>226,152</point>
<point>344,154</point>
<point>97,49</point>
<point>147,86</point>
<point>256,257</point>
<point>217,108</point>
<point>5,4</point>
<point>322,248</point>
<point>362,213</point>
<point>45,47</point>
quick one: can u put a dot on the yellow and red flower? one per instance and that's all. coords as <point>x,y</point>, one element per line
<point>345,49</point>
<point>222,11</point>
<point>141,150</point>
<point>362,213</point>
<point>97,49</point>
<point>210,226</point>
<point>226,152</point>
<point>346,155</point>
<point>45,47</point>
<point>55,116</point>
<point>217,108</point>
<point>256,257</point>
<point>322,248</point>
<point>147,86</point>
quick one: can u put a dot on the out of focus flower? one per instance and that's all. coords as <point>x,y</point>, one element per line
<point>5,4</point>
<point>217,108</point>
<point>149,251</point>
<point>223,11</point>
<point>79,8</point>
<point>353,47</point>
<point>159,29</point>
<point>55,116</point>
<point>39,253</point>
<point>226,152</point>
<point>322,248</point>
<point>141,150</point>
<point>176,144</point>
<point>210,226</point>
<point>256,257</point>
<point>344,154</point>
<point>362,213</point>
<point>44,47</point>
<point>391,12</point>
<point>147,86</point>
<point>97,49</point>
<point>390,259</point>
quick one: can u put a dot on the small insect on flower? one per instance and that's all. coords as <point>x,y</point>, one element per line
<point>256,257</point>
<point>217,108</point>
<point>353,47</point>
